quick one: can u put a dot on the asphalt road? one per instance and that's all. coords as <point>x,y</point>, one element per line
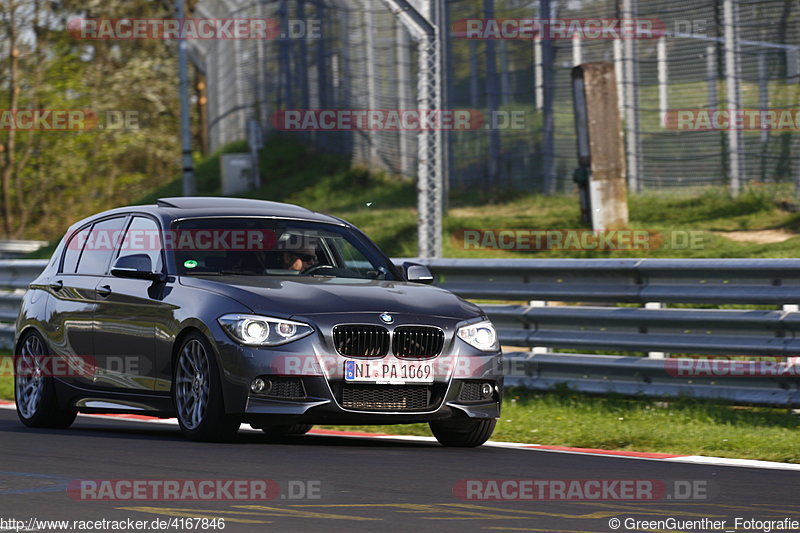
<point>360,484</point>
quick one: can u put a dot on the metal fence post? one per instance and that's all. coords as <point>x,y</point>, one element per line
<point>663,79</point>
<point>442,21</point>
<point>796,168</point>
<point>493,162</point>
<point>284,60</point>
<point>473,74</point>
<point>344,94</point>
<point>763,103</point>
<point>301,72</point>
<point>793,65</point>
<point>538,82</point>
<point>733,93</point>
<point>505,82</point>
<point>577,51</point>
<point>430,171</point>
<point>632,141</point>
<point>372,92</point>
<point>261,90</point>
<point>619,71</point>
<point>548,88</point>
<point>322,59</point>
<point>404,95</point>
<point>188,183</point>
<point>711,75</point>
<point>429,141</point>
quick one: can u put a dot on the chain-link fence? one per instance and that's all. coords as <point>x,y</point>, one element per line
<point>707,56</point>
<point>326,60</point>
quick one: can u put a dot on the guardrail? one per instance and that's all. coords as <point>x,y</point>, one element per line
<point>12,249</point>
<point>652,378</point>
<point>15,274</point>
<point>644,326</point>
<point>605,326</point>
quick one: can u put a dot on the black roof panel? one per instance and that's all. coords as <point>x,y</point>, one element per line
<point>170,209</point>
<point>204,206</point>
<point>216,202</point>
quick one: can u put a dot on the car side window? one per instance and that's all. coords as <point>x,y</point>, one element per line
<point>143,237</point>
<point>73,249</point>
<point>100,245</point>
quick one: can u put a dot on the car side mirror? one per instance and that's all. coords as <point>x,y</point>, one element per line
<point>418,273</point>
<point>136,266</point>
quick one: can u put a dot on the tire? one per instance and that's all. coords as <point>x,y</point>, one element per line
<point>287,430</point>
<point>34,393</point>
<point>465,433</point>
<point>197,393</point>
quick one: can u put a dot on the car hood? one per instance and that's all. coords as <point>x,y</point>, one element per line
<point>307,296</point>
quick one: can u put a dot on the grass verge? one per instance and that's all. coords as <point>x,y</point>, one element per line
<point>6,382</point>
<point>683,427</point>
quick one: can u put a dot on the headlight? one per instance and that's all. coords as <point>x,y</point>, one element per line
<point>481,335</point>
<point>255,330</point>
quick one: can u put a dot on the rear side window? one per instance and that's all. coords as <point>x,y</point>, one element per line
<point>100,245</point>
<point>143,237</point>
<point>73,250</point>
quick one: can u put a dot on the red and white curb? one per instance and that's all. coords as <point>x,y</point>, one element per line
<point>648,456</point>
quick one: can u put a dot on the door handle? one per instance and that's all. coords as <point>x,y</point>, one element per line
<point>57,285</point>
<point>104,291</point>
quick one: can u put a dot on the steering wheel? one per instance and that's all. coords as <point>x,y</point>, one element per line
<point>314,268</point>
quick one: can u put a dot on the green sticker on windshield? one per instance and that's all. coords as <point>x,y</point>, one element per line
<point>190,263</point>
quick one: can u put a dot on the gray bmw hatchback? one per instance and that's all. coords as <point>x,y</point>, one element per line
<point>223,311</point>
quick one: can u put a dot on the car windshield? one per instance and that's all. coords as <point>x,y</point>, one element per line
<point>269,247</point>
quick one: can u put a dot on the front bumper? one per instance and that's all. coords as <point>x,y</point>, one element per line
<point>327,408</point>
<point>319,394</point>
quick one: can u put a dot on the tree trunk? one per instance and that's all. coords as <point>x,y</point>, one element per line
<point>13,87</point>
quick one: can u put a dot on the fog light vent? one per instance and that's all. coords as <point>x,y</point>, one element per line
<point>475,391</point>
<point>260,386</point>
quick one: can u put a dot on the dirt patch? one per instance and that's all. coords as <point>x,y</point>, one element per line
<point>764,236</point>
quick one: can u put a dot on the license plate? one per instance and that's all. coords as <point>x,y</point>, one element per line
<point>388,371</point>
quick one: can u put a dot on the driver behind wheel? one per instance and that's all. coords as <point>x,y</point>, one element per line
<point>300,259</point>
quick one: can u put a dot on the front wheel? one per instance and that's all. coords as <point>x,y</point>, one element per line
<point>34,391</point>
<point>465,433</point>
<point>197,394</point>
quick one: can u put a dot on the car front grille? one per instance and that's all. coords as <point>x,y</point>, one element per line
<point>417,341</point>
<point>361,340</point>
<point>386,397</point>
